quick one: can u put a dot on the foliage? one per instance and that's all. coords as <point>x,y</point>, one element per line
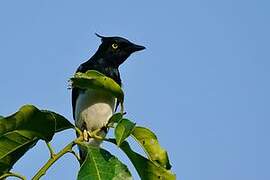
<point>100,164</point>
<point>21,131</point>
<point>123,129</point>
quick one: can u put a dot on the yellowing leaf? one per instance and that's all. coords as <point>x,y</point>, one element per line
<point>149,143</point>
<point>146,169</point>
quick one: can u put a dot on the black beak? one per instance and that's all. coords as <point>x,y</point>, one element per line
<point>135,47</point>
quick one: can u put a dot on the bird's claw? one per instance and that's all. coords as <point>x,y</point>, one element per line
<point>85,135</point>
<point>94,134</point>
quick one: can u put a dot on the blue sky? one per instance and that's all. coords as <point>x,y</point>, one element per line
<point>202,84</point>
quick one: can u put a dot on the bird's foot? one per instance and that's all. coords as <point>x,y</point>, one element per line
<point>85,135</point>
<point>93,134</point>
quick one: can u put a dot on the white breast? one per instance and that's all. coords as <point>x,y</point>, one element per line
<point>93,110</point>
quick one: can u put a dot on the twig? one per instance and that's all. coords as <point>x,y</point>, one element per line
<point>50,149</point>
<point>78,131</point>
<point>55,157</point>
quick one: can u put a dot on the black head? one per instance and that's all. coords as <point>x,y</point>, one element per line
<point>115,50</point>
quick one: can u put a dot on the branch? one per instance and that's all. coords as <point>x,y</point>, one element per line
<point>12,174</point>
<point>55,157</point>
<point>50,149</point>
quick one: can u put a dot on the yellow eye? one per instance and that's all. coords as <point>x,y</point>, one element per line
<point>114,46</point>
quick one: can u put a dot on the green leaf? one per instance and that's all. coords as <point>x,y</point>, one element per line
<point>146,169</point>
<point>61,122</point>
<point>115,119</point>
<point>99,164</point>
<point>123,129</point>
<point>149,142</point>
<point>96,80</point>
<point>20,131</point>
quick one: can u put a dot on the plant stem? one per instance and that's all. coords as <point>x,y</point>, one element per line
<point>122,108</point>
<point>50,149</point>
<point>12,174</point>
<point>54,158</point>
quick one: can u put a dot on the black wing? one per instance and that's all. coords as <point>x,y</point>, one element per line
<point>76,91</point>
<point>74,94</point>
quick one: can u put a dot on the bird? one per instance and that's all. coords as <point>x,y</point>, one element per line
<point>93,108</point>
